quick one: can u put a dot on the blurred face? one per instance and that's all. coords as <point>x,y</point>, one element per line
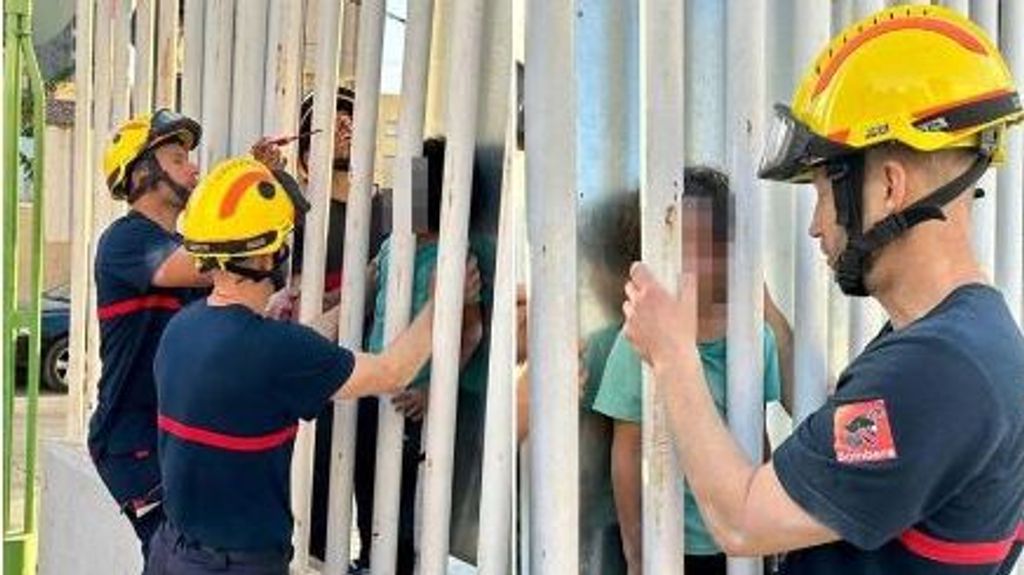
<point>342,136</point>
<point>703,253</point>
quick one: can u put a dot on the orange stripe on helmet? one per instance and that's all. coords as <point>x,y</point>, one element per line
<point>947,29</point>
<point>230,202</point>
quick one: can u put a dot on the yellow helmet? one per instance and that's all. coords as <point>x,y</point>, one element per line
<point>923,76</point>
<point>240,209</point>
<point>142,134</point>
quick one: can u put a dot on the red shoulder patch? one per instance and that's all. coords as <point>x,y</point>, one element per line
<point>862,432</point>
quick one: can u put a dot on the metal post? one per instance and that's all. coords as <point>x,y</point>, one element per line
<point>192,68</point>
<point>12,119</point>
<point>31,318</point>
<point>391,423</point>
<point>314,255</point>
<point>985,13</point>
<point>353,289</point>
<point>250,63</point>
<point>145,29</point>
<point>282,90</point>
<point>104,206</point>
<point>437,80</point>
<point>497,491</point>
<point>1010,213</point>
<point>216,78</point>
<point>661,140</point>
<point>463,99</point>
<point>166,89</point>
<point>81,246</point>
<point>811,288</point>
<point>120,89</point>
<point>550,102</point>
<point>745,85</point>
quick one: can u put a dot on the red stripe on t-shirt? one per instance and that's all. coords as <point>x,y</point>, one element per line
<point>128,306</point>
<point>961,553</point>
<point>223,441</point>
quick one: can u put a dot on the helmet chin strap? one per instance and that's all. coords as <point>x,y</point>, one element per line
<point>155,174</point>
<point>847,175</point>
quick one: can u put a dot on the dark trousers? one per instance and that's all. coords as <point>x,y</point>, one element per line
<point>365,466</point>
<point>133,480</point>
<point>173,553</point>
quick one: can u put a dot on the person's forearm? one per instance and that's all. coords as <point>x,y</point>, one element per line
<point>626,487</point>
<point>411,350</point>
<point>718,471</point>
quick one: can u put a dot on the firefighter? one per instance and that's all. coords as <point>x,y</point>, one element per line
<point>233,383</point>
<point>143,276</point>
<point>914,465</point>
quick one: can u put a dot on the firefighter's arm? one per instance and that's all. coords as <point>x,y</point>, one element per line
<point>179,271</point>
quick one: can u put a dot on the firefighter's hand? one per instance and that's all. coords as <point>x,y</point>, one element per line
<point>412,403</point>
<point>267,152</point>
<point>660,325</point>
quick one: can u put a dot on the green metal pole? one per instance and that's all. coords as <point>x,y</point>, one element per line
<point>12,111</point>
<point>20,546</point>
<point>32,317</point>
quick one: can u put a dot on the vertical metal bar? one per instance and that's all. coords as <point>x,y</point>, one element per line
<point>216,78</point>
<point>104,206</point>
<point>353,289</point>
<point>497,491</point>
<point>120,88</point>
<point>661,169</point>
<point>314,255</point>
<point>282,91</point>
<point>745,85</point>
<point>32,319</point>
<point>192,67</point>
<point>437,80</point>
<point>248,74</point>
<point>81,245</point>
<point>12,115</point>
<point>811,288</point>
<point>985,14</point>
<point>167,29</point>
<point>391,423</point>
<point>1010,212</point>
<point>145,30</point>
<point>550,101</point>
<point>463,98</point>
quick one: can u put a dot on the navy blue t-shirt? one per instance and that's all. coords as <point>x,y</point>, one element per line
<point>132,314</point>
<point>917,461</point>
<point>232,386</point>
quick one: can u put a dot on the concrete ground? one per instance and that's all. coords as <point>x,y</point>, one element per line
<point>52,422</point>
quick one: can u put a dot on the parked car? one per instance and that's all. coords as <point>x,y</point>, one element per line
<point>55,309</point>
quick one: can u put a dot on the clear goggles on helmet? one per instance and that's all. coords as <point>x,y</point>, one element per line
<point>793,150</point>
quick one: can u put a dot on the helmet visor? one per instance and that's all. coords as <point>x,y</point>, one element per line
<point>793,150</point>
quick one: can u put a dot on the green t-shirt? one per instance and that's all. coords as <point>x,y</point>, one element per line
<point>474,374</point>
<point>621,397</point>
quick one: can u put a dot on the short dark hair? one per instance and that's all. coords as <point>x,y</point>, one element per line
<point>711,184</point>
<point>611,232</point>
